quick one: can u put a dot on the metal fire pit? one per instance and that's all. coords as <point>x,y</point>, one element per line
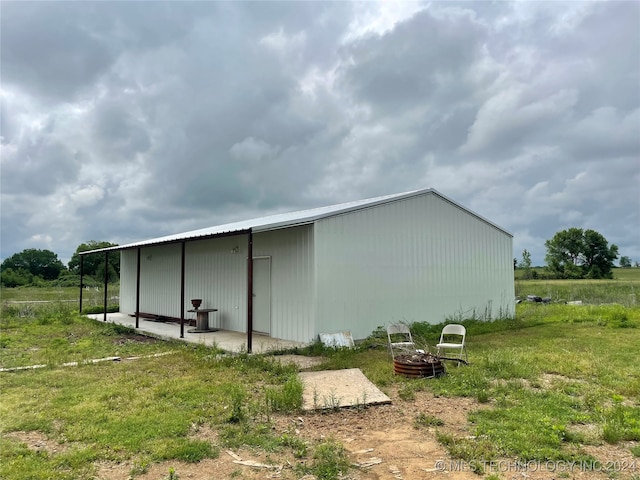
<point>419,365</point>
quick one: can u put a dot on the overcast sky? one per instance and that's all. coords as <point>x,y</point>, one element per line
<point>123,121</point>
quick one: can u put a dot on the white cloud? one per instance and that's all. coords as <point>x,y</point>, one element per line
<point>86,196</point>
<point>42,240</point>
<point>379,17</point>
<point>511,114</point>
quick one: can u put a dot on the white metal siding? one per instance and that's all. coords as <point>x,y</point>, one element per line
<point>159,280</point>
<point>215,271</point>
<point>292,301</point>
<point>417,259</point>
<point>128,259</point>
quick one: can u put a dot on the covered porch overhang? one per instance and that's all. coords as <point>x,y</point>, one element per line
<point>138,321</point>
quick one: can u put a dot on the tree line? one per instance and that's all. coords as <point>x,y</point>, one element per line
<point>43,267</point>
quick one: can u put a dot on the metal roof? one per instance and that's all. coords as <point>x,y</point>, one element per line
<point>285,220</point>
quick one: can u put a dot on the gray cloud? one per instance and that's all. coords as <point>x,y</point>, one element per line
<point>46,50</point>
<point>123,121</point>
<point>38,164</point>
<point>421,60</point>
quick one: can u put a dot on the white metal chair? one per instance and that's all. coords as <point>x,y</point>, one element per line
<point>452,338</point>
<point>399,337</point>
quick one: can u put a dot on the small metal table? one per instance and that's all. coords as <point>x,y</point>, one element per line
<point>202,320</point>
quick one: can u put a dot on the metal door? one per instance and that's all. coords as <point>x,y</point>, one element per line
<point>262,294</point>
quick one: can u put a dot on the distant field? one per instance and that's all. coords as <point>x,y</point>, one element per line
<point>624,288</point>
<point>90,297</point>
<point>632,274</point>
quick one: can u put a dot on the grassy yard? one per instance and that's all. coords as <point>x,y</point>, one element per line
<point>556,379</point>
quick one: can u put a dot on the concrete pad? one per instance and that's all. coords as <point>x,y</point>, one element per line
<point>233,342</point>
<point>339,388</point>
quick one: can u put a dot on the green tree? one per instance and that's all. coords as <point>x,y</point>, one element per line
<point>625,262</point>
<point>39,263</point>
<point>526,259</point>
<point>93,265</point>
<point>525,264</point>
<point>15,278</point>
<point>598,255</point>
<point>578,253</point>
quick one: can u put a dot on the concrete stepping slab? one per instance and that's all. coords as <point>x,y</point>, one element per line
<point>329,389</point>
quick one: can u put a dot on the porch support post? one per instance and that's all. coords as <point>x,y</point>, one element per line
<point>81,280</point>
<point>138,290</point>
<point>106,281</point>
<point>249,290</point>
<point>182,291</point>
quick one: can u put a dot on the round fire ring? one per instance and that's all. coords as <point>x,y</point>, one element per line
<point>422,365</point>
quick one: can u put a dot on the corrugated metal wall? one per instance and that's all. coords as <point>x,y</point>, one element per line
<point>292,300</point>
<point>128,281</point>
<point>160,280</point>
<point>414,260</point>
<point>216,272</point>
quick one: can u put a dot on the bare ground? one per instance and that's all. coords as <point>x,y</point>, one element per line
<point>381,439</point>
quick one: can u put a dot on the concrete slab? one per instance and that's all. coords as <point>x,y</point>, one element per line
<point>329,389</point>
<point>233,342</point>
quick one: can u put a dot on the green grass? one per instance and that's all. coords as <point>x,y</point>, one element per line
<point>424,420</point>
<point>547,375</point>
<point>629,274</point>
<point>329,461</point>
<point>624,288</point>
<point>145,409</point>
<point>89,297</point>
<point>552,380</point>
<point>573,366</point>
<point>54,333</point>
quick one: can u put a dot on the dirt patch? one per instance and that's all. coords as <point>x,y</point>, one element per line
<point>37,441</point>
<point>385,433</point>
